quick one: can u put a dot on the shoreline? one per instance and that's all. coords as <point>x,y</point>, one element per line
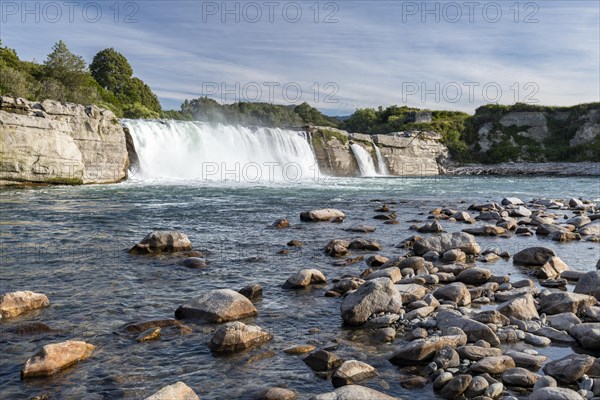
<point>528,168</point>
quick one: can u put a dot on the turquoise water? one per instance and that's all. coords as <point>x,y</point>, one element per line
<point>71,242</point>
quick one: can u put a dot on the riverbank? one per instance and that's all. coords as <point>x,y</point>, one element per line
<point>536,169</point>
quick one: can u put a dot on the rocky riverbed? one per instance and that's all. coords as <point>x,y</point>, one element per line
<point>388,300</point>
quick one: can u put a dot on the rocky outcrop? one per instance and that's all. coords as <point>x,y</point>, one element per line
<point>53,142</point>
<point>404,153</point>
<point>534,133</point>
<point>412,153</point>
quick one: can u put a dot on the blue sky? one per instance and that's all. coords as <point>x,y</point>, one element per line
<point>351,54</point>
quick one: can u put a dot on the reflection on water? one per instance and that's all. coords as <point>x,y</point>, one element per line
<point>71,242</point>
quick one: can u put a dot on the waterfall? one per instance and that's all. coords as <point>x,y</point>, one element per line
<point>216,152</point>
<point>364,160</point>
<point>381,167</point>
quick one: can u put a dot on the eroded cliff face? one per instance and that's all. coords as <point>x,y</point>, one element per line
<point>413,154</point>
<point>529,133</point>
<point>53,142</point>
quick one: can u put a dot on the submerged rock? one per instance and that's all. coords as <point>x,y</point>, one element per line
<point>16,303</point>
<point>374,296</point>
<point>162,241</point>
<point>217,306</point>
<point>234,336</point>
<point>176,391</point>
<point>194,262</point>
<point>55,357</point>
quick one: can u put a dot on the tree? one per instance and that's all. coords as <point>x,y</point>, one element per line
<point>63,65</point>
<point>111,70</point>
<point>136,91</point>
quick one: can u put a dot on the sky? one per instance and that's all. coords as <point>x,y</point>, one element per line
<point>335,55</point>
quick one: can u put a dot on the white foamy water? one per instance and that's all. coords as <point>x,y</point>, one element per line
<point>380,162</point>
<point>216,152</point>
<point>364,160</point>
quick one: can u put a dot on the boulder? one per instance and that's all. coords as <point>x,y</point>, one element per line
<point>353,392</point>
<point>522,308</point>
<point>474,276</point>
<point>323,360</point>
<point>422,350</point>
<point>587,334</point>
<point>561,302</point>
<point>457,386</point>
<point>493,365</point>
<point>473,329</point>
<point>55,357</point>
<point>455,292</point>
<point>393,274</point>
<point>592,228</point>
<point>162,241</point>
<point>414,263</point>
<point>304,278</point>
<point>376,260</point>
<point>373,297</point>
<point>252,292</point>
<point>234,336</point>
<point>16,303</point>
<point>445,242</point>
<point>337,248</point>
<point>432,227</point>
<point>554,393</point>
<point>217,306</point>
<point>533,256</point>
<point>569,369</point>
<point>351,372</point>
<point>525,360</point>
<point>476,353</point>
<point>519,377</point>
<point>589,284</point>
<point>275,393</point>
<point>563,321</point>
<point>446,357</point>
<point>365,244</point>
<point>511,201</point>
<point>326,214</point>
<point>486,230</point>
<point>552,269</point>
<point>176,391</point>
